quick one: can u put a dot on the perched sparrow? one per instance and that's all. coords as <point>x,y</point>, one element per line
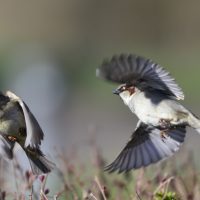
<point>18,125</point>
<point>152,95</point>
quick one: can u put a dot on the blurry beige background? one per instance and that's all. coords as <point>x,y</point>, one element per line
<point>49,51</point>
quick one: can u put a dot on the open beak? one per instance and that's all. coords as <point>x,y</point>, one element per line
<point>116,91</point>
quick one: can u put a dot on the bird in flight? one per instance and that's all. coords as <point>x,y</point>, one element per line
<point>18,125</point>
<point>154,97</point>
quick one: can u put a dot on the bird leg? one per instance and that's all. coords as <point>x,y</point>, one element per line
<point>164,134</point>
<point>165,123</point>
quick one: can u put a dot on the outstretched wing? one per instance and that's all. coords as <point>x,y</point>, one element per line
<point>34,132</point>
<point>146,146</point>
<point>141,72</point>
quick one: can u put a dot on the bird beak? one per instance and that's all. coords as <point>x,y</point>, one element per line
<point>116,91</point>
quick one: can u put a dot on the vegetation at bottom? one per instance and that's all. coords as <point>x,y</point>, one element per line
<point>168,180</point>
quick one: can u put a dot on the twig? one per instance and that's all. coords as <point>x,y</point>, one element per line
<point>167,187</point>
<point>89,195</point>
<point>138,196</point>
<point>92,196</point>
<point>43,184</point>
<point>100,188</point>
<point>43,196</point>
<point>163,184</point>
<point>31,195</point>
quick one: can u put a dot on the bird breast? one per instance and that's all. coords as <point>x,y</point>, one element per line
<point>150,111</point>
<point>11,120</point>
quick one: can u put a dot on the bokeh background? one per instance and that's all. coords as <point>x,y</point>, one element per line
<point>49,51</point>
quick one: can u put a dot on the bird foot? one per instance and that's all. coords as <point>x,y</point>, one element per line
<point>164,123</point>
<point>12,138</point>
<point>163,135</point>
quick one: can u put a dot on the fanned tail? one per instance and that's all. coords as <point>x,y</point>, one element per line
<point>39,164</point>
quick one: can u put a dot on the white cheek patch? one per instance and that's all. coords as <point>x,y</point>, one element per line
<point>125,97</point>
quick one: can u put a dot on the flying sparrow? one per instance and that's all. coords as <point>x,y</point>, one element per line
<point>153,96</point>
<point>18,125</point>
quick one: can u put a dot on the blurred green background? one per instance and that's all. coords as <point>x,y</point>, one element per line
<point>49,51</point>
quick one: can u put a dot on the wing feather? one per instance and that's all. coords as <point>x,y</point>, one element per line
<point>147,146</point>
<point>141,72</point>
<point>34,131</point>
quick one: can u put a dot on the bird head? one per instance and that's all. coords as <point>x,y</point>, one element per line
<point>125,91</point>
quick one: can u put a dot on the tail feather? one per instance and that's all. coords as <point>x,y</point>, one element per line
<point>194,122</point>
<point>39,164</point>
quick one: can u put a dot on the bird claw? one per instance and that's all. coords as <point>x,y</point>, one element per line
<point>163,135</point>
<point>164,123</point>
<point>12,138</point>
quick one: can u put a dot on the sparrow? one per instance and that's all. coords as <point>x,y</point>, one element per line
<point>154,97</point>
<point>18,125</point>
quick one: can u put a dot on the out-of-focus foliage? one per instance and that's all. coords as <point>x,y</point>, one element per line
<point>174,180</point>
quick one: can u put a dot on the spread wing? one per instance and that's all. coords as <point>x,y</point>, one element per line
<point>147,146</point>
<point>34,132</point>
<point>141,72</point>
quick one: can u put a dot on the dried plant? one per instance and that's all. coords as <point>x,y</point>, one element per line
<point>77,180</point>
